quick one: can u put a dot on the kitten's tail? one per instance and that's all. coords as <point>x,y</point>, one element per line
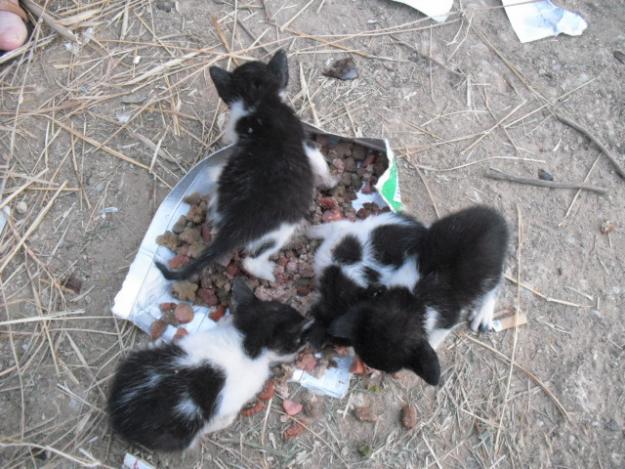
<point>220,246</point>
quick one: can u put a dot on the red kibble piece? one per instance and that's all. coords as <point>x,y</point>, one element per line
<point>217,313</point>
<point>180,333</point>
<point>205,231</point>
<point>183,313</point>
<point>253,409</point>
<point>304,290</point>
<point>369,160</point>
<point>327,203</point>
<point>157,328</point>
<point>331,215</point>
<point>178,261</point>
<point>294,430</point>
<point>358,366</point>
<point>166,307</point>
<point>291,407</point>
<point>208,296</point>
<point>232,270</point>
<point>268,391</point>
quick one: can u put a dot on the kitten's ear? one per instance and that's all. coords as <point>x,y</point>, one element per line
<point>223,82</point>
<point>279,66</point>
<point>424,362</point>
<point>344,327</point>
<point>242,294</point>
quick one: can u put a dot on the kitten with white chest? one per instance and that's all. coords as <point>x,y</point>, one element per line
<point>265,189</point>
<point>166,397</point>
<point>393,288</point>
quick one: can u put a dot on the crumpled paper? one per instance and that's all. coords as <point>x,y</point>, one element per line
<point>538,20</point>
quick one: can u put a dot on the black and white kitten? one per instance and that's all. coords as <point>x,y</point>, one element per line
<point>166,397</point>
<point>266,187</point>
<point>394,289</point>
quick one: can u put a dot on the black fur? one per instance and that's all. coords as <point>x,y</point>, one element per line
<point>348,251</point>
<point>460,258</point>
<point>149,418</point>
<point>150,384</point>
<point>266,324</point>
<point>268,179</point>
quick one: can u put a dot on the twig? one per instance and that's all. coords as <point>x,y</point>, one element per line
<point>503,176</point>
<point>427,188</point>
<point>568,210</point>
<point>531,375</point>
<point>548,299</point>
<point>32,227</point>
<point>293,18</point>
<point>516,329</point>
<point>222,38</point>
<point>593,139</point>
<point>49,20</point>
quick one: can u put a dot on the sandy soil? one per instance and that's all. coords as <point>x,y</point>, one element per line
<point>70,116</point>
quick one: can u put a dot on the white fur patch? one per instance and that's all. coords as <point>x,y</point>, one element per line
<point>435,335</point>
<point>333,233</point>
<point>482,316</point>
<point>222,347</point>
<point>188,408</point>
<point>237,111</point>
<point>319,167</point>
<point>261,266</point>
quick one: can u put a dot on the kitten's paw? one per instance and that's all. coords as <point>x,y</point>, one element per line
<point>260,268</point>
<point>327,182</point>
<point>481,319</point>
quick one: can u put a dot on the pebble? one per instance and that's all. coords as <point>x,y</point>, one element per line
<point>21,207</point>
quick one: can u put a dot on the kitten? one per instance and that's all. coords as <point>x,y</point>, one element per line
<point>166,397</point>
<point>394,289</point>
<point>265,189</point>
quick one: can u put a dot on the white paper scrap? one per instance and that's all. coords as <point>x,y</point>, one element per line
<point>538,20</point>
<point>334,382</point>
<point>438,10</point>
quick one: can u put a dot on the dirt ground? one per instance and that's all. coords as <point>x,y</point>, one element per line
<point>79,128</point>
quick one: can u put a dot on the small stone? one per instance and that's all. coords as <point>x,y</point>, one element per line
<point>612,425</point>
<point>607,227</point>
<point>165,5</point>
<point>544,175</point>
<point>343,69</point>
<point>365,451</point>
<point>408,417</point>
<point>21,207</point>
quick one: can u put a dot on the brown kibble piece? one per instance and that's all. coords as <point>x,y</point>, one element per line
<point>217,313</point>
<point>208,296</point>
<point>196,214</point>
<point>178,261</point>
<point>157,328</point>
<point>268,391</point>
<point>184,290</point>
<point>253,409</point>
<point>364,413</point>
<point>190,235</point>
<point>183,313</point>
<point>362,213</point>
<point>180,333</point>
<point>169,240</point>
<point>180,225</point>
<point>294,430</point>
<point>193,199</point>
<point>408,417</point>
<point>196,249</point>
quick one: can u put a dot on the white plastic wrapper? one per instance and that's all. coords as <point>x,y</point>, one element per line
<point>438,10</point>
<point>538,20</point>
<point>144,288</point>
